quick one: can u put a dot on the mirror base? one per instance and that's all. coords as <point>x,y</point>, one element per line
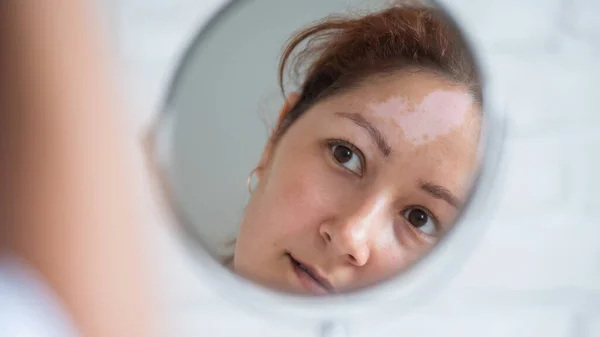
<point>333,329</point>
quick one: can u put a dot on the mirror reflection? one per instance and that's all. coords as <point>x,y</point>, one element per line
<point>367,156</point>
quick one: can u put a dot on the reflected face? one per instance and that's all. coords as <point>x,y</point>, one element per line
<point>361,186</point>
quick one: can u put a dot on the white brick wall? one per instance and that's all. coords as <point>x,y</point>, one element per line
<point>516,321</point>
<point>590,324</point>
<point>537,271</point>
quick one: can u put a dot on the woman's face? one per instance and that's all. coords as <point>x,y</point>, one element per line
<point>362,185</point>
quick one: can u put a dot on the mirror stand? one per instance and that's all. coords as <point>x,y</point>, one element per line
<point>333,329</point>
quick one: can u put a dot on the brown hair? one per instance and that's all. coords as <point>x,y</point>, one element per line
<point>342,51</point>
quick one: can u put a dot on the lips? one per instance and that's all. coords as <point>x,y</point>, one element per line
<point>309,278</point>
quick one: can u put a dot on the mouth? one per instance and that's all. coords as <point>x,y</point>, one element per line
<point>310,278</point>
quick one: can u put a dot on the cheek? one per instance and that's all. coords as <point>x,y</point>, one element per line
<point>396,250</point>
<point>299,193</point>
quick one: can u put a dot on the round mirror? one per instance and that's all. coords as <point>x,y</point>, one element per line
<point>324,158</point>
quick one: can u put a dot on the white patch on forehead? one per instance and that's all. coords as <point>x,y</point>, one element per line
<point>436,115</point>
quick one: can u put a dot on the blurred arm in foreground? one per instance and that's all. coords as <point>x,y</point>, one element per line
<point>67,204</point>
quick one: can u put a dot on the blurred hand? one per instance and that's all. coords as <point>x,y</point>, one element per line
<point>67,203</point>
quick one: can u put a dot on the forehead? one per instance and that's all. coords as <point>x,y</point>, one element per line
<point>408,89</point>
<point>412,82</point>
<point>413,107</point>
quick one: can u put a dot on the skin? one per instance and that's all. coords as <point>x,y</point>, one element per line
<point>352,220</point>
<point>68,202</point>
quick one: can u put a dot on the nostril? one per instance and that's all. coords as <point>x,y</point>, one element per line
<point>352,259</point>
<point>327,237</point>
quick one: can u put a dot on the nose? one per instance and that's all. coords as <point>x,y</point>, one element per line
<point>351,236</point>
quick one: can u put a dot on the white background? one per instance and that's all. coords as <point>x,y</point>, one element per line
<point>537,271</point>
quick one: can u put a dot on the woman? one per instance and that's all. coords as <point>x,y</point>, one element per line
<point>371,161</point>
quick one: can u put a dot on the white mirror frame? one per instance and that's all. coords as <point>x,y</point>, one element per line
<point>403,292</point>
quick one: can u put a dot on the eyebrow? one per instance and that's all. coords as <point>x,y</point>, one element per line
<point>440,192</point>
<point>375,134</point>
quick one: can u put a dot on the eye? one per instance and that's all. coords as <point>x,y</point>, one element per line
<point>421,220</point>
<point>346,155</point>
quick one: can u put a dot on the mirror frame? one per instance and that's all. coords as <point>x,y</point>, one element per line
<point>405,291</point>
